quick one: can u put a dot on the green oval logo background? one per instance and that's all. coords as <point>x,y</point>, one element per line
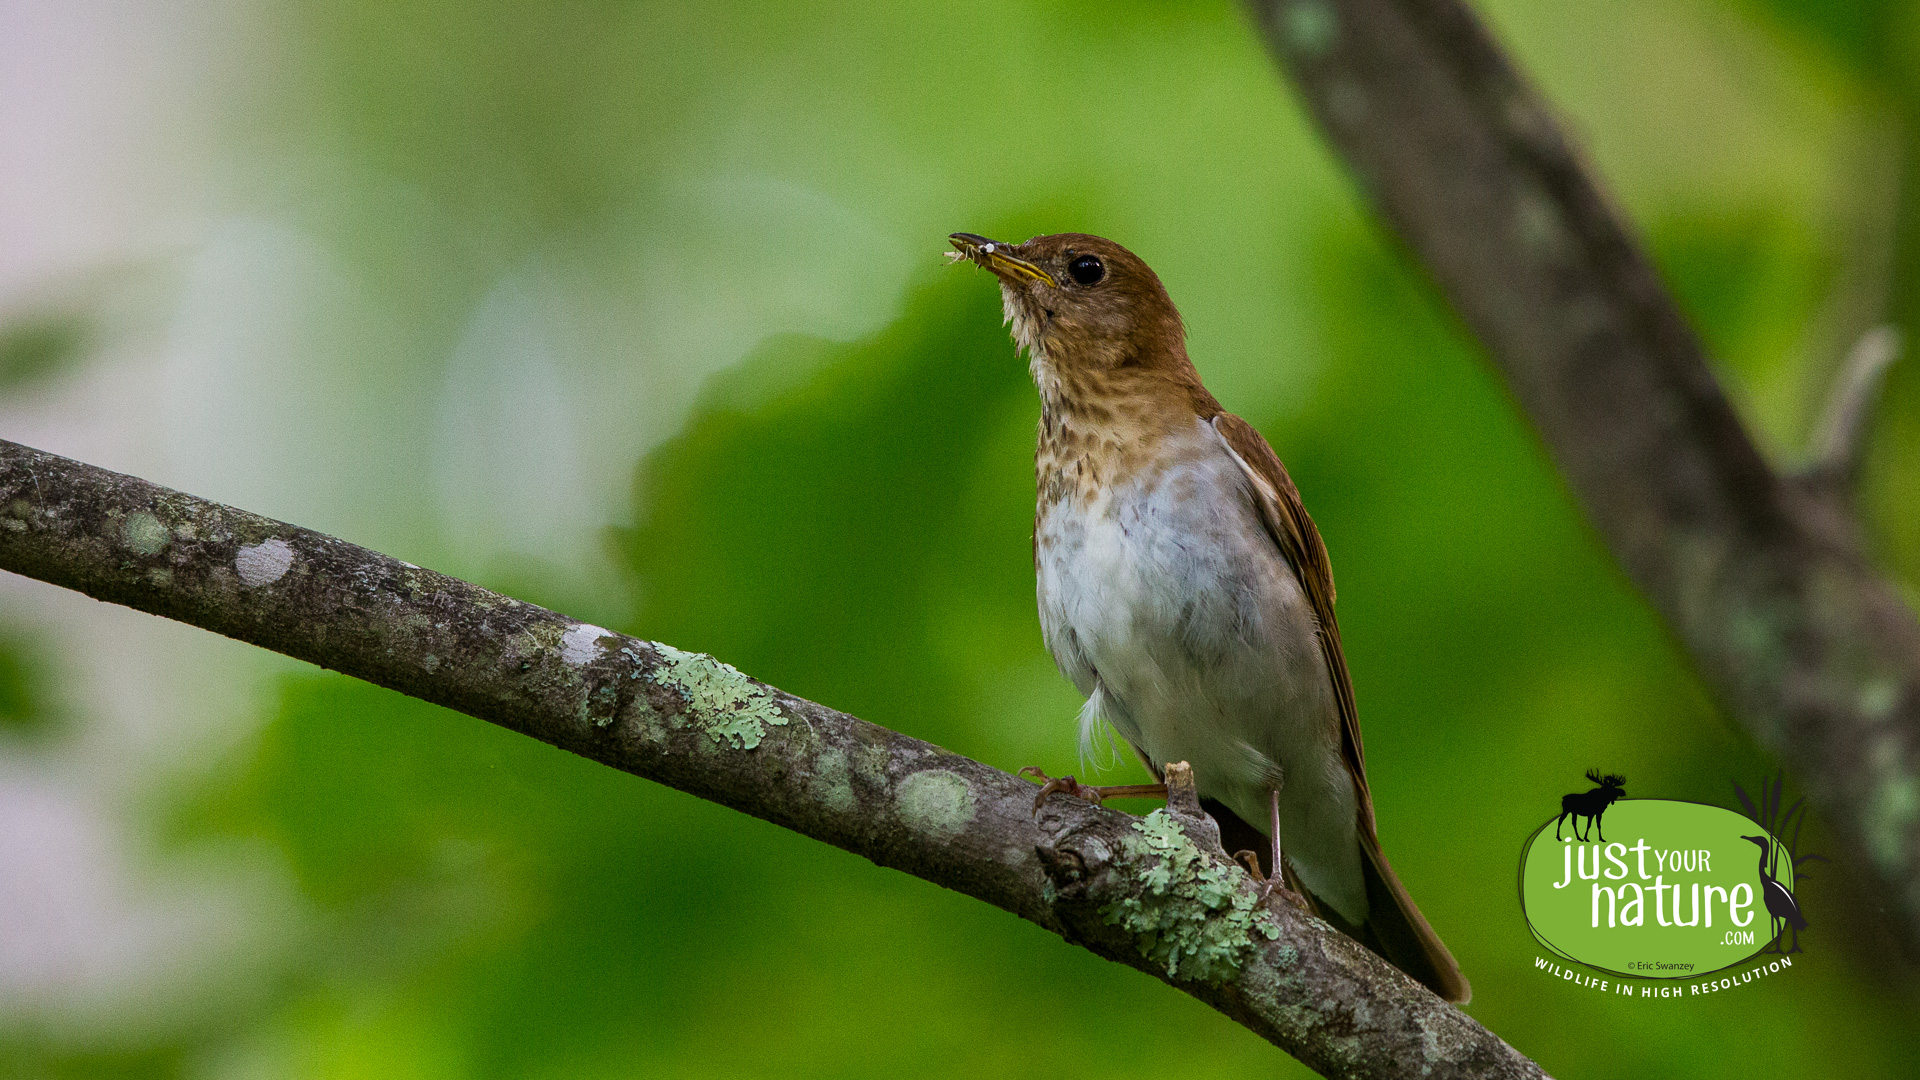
<point>1564,916</point>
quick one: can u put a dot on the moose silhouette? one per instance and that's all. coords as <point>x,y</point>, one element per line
<point>1591,804</point>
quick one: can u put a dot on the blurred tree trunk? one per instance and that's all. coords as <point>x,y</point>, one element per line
<point>1761,574</point>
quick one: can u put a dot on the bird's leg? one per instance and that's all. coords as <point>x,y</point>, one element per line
<point>1276,883</point>
<point>1273,819</point>
<point>1092,794</point>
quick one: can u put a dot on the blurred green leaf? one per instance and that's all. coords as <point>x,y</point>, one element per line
<point>35,347</point>
<point>1857,31</point>
<point>23,705</point>
<point>1748,279</point>
<point>23,1062</point>
<point>799,536</point>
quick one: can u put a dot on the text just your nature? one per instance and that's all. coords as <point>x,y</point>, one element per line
<point>1626,904</point>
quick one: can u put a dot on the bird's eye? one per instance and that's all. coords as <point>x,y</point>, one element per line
<point>1087,270</point>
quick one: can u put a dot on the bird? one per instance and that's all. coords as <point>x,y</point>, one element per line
<point>1781,905</point>
<point>1185,592</point>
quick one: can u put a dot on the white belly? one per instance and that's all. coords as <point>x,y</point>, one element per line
<point>1169,606</point>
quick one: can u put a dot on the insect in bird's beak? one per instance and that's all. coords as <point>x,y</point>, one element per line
<point>993,255</point>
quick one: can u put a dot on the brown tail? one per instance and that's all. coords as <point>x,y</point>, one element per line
<point>1395,929</point>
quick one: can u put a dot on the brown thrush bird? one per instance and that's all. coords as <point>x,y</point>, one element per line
<point>1185,591</point>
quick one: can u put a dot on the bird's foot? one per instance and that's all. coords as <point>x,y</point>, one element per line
<point>1252,862</point>
<point>1273,887</point>
<point>1094,795</point>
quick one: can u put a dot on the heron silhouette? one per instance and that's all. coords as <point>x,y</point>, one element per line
<point>1780,902</point>
<point>1783,830</point>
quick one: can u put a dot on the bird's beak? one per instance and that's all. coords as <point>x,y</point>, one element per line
<point>994,256</point>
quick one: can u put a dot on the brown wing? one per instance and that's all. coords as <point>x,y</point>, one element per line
<point>1395,928</point>
<point>1287,522</point>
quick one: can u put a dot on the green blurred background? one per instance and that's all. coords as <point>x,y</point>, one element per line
<point>636,310</point>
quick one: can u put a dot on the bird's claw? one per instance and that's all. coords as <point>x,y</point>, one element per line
<point>1251,860</point>
<point>1050,784</point>
<point>1094,795</point>
<point>1271,887</point>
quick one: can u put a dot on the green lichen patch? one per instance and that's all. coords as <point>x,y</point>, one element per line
<point>1890,814</point>
<point>1311,27</point>
<point>728,706</point>
<point>831,784</point>
<point>1537,220</point>
<point>871,763</point>
<point>937,801</point>
<point>1193,916</point>
<point>143,533</point>
<point>1878,697</point>
<point>540,637</point>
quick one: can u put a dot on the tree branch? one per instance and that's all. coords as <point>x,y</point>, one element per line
<point>1762,578</point>
<point>1841,439</point>
<point>693,723</point>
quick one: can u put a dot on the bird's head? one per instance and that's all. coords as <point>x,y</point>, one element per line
<point>1081,303</point>
<point>1761,840</point>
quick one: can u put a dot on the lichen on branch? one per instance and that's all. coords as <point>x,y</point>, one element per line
<point>1193,914</point>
